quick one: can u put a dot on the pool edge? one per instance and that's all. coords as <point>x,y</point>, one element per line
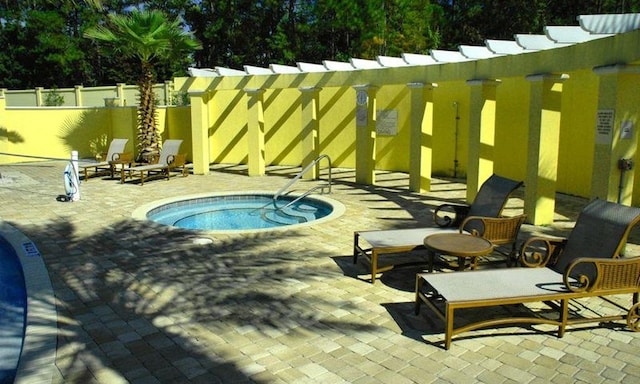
<point>140,213</point>
<point>37,358</point>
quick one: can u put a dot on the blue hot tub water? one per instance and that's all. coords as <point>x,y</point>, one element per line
<point>13,304</point>
<point>239,212</point>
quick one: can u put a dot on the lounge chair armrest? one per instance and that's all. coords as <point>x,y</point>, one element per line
<point>178,160</point>
<point>122,157</point>
<point>450,215</point>
<point>498,230</point>
<point>609,276</point>
<point>540,251</point>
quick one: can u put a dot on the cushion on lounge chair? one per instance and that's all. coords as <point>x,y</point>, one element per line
<point>516,282</point>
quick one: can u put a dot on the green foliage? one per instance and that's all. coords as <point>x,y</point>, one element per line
<point>148,37</point>
<point>42,44</point>
<point>180,99</point>
<point>53,98</point>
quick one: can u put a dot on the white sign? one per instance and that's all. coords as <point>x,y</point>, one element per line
<point>361,117</point>
<point>387,122</point>
<point>30,249</point>
<point>604,126</point>
<point>362,97</point>
<point>626,129</point>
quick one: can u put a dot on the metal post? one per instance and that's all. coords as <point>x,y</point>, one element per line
<point>75,180</point>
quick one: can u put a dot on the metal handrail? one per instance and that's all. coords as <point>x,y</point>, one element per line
<point>299,175</point>
<point>298,198</point>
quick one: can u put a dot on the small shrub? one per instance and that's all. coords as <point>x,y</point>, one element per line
<point>180,99</point>
<point>53,98</point>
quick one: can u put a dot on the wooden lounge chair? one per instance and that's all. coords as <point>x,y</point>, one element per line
<point>167,160</point>
<point>114,153</point>
<point>586,264</point>
<point>489,202</point>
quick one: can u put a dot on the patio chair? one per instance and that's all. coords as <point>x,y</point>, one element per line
<point>557,270</point>
<point>114,153</point>
<point>502,232</point>
<point>165,162</point>
<point>489,202</point>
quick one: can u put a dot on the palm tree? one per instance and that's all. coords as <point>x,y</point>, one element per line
<point>148,36</point>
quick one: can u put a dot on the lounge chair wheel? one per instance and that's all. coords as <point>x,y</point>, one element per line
<point>633,318</point>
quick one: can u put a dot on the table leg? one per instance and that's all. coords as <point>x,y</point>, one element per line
<point>432,256</point>
<point>461,263</point>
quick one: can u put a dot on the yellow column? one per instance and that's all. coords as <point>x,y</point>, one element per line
<point>78,95</point>
<point>365,134</point>
<point>482,128</point>
<point>615,136</point>
<point>545,96</point>
<point>4,136</point>
<point>420,150</point>
<point>310,129</point>
<point>120,92</point>
<point>255,117</point>
<point>39,99</point>
<point>200,131</point>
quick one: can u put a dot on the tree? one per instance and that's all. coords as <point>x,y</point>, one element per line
<point>147,36</point>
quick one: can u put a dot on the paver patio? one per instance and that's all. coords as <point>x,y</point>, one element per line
<point>144,303</point>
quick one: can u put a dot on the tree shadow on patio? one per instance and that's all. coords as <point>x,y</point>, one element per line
<point>143,299</point>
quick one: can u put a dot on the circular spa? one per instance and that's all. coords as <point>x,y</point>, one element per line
<point>240,212</point>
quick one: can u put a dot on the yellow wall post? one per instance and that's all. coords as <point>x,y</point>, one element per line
<point>545,98</point>
<point>39,98</point>
<point>421,146</point>
<point>482,128</point>
<point>120,94</point>
<point>78,95</point>
<point>616,138</point>
<point>200,131</point>
<point>310,130</point>
<point>4,136</point>
<point>365,134</point>
<point>255,134</point>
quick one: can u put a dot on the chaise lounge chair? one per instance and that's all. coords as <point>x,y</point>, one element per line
<point>489,202</point>
<point>586,264</point>
<point>168,159</point>
<point>114,153</point>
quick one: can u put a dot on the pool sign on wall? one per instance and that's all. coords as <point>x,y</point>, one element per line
<point>387,122</point>
<point>604,126</point>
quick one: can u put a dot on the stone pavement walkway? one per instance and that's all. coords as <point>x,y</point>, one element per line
<point>143,303</point>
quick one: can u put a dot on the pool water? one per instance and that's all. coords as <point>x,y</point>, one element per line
<point>239,212</point>
<point>13,309</point>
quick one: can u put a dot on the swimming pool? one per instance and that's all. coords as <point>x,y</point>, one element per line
<point>237,212</point>
<point>28,319</point>
<point>13,310</point>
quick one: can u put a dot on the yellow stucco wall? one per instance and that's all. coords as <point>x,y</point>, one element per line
<point>55,132</point>
<point>336,125</point>
<point>228,140</point>
<point>282,126</point>
<point>575,158</point>
<point>511,127</point>
<point>450,134</point>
